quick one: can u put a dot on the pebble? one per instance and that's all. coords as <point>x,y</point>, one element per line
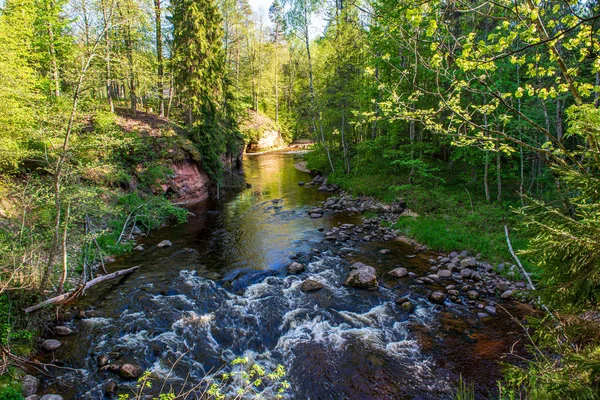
<point>506,294</point>
<point>490,310</point>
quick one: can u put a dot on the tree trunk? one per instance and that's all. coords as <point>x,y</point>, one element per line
<point>277,72</point>
<point>159,57</point>
<point>499,176</point>
<point>53,60</point>
<point>132,87</point>
<point>109,84</point>
<point>65,270</point>
<point>313,100</point>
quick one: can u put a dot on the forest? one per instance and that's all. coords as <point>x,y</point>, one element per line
<point>481,117</point>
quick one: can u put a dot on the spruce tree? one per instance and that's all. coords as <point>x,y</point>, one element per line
<point>200,79</point>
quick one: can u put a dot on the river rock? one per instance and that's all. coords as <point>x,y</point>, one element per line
<point>139,247</point>
<point>29,385</point>
<point>465,273</point>
<point>437,297</point>
<point>363,277</point>
<point>490,310</point>
<point>444,273</point>
<point>506,294</point>
<point>50,344</point>
<point>295,268</point>
<point>33,397</point>
<point>164,243</point>
<point>130,371</point>
<point>384,251</point>
<point>63,330</point>
<point>102,360</point>
<point>310,285</point>
<point>468,263</point>
<point>51,397</point>
<point>472,294</point>
<point>300,183</point>
<point>110,388</point>
<point>398,272</point>
<point>408,306</point>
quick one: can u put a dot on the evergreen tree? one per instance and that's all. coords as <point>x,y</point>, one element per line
<point>200,78</point>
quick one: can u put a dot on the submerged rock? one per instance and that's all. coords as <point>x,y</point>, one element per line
<point>310,285</point>
<point>101,361</point>
<point>110,388</point>
<point>363,277</point>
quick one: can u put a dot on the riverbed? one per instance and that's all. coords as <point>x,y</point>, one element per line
<point>221,291</point>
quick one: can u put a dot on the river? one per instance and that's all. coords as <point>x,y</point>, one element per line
<point>221,291</point>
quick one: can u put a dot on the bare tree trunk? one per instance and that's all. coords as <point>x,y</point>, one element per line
<point>486,185</point>
<point>65,270</point>
<point>132,87</point>
<point>171,89</point>
<point>499,175</point>
<point>159,57</point>
<point>486,174</point>
<point>277,72</point>
<point>109,85</point>
<point>597,94</point>
<point>313,100</point>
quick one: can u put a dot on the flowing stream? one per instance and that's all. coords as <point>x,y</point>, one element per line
<point>221,291</point>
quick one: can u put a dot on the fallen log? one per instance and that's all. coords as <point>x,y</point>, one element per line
<point>66,297</point>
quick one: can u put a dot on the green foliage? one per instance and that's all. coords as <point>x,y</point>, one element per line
<point>10,393</point>
<point>564,363</point>
<point>464,391</point>
<point>245,381</point>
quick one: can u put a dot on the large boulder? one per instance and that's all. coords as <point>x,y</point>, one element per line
<point>362,277</point>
